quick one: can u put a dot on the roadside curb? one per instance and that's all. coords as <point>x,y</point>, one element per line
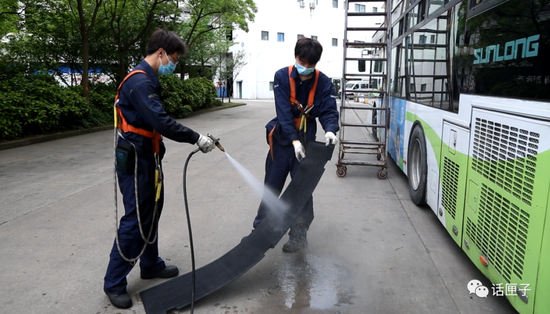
<point>192,114</point>
<point>56,136</point>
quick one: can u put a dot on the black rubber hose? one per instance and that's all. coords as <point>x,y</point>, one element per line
<point>191,247</point>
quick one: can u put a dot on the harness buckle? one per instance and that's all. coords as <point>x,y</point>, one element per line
<point>308,110</point>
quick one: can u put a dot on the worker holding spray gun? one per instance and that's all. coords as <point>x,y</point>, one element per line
<point>302,94</point>
<point>140,123</point>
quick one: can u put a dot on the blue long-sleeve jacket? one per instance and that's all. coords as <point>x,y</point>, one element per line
<point>139,101</point>
<point>324,106</point>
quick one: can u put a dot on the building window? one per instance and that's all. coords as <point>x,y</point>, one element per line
<point>335,42</point>
<point>280,36</point>
<point>359,8</point>
<point>378,66</point>
<point>314,37</point>
<point>265,35</point>
<point>374,9</point>
<point>432,39</point>
<point>335,3</point>
<point>422,39</point>
<point>300,36</point>
<point>271,86</point>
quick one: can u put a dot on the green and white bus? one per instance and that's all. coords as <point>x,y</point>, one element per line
<point>470,127</point>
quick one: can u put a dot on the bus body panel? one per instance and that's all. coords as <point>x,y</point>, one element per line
<point>475,75</point>
<point>507,199</point>
<point>404,116</point>
<point>542,301</point>
<point>451,145</point>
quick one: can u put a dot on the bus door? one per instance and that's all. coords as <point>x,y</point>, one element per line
<point>453,174</point>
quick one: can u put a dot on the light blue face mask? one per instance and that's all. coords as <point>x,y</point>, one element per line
<point>302,70</point>
<point>166,69</point>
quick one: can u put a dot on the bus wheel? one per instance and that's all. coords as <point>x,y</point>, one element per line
<point>417,167</point>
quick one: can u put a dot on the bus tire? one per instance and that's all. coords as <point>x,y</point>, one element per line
<point>417,166</point>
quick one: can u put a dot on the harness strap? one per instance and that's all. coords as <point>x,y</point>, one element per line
<point>125,127</point>
<point>300,122</point>
<point>270,141</point>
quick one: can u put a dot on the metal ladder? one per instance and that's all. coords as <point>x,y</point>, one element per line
<point>367,47</point>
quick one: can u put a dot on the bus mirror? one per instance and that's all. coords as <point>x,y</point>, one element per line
<point>361,65</point>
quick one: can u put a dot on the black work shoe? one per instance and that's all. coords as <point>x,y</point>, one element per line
<point>122,301</point>
<point>168,272</point>
<point>294,245</point>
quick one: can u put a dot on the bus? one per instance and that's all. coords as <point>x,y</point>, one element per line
<point>469,125</point>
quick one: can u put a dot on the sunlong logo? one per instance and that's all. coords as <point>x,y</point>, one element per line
<point>528,46</point>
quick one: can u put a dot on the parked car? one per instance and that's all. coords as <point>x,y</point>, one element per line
<point>352,88</point>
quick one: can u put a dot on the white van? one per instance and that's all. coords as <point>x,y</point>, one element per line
<point>352,88</point>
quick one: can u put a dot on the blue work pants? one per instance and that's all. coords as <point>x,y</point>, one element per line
<point>277,169</point>
<point>130,239</point>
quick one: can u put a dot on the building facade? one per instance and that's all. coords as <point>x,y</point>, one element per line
<point>269,44</point>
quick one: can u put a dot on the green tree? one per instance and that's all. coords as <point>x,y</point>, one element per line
<point>232,67</point>
<point>208,24</point>
<point>9,16</point>
<point>130,24</point>
<point>44,39</point>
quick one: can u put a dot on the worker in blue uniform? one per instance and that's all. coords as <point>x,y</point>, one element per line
<point>302,95</point>
<point>142,121</point>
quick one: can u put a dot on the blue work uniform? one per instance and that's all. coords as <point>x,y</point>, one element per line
<point>281,159</point>
<point>140,105</point>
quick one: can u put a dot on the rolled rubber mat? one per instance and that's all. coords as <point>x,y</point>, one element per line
<point>176,293</point>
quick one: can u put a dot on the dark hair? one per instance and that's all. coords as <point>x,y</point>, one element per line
<point>167,40</point>
<point>308,49</point>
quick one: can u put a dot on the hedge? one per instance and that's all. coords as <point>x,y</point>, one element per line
<point>179,98</point>
<point>37,104</point>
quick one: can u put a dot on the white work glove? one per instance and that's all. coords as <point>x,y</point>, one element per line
<point>205,143</point>
<point>299,150</point>
<point>330,138</point>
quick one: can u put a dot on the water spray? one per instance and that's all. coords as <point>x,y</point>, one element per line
<point>268,196</point>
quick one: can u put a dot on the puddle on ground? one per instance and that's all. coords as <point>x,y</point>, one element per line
<point>310,281</point>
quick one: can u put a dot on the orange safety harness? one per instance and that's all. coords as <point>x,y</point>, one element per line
<point>125,127</point>
<point>122,124</point>
<point>300,122</point>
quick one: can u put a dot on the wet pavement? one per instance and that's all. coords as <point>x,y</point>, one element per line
<point>371,250</point>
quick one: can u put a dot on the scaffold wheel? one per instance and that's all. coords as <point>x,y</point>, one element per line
<point>341,171</point>
<point>382,174</point>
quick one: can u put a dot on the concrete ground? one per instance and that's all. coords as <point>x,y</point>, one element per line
<point>371,250</point>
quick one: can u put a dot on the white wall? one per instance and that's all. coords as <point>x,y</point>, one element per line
<point>264,58</point>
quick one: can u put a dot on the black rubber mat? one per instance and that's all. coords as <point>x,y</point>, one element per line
<point>176,293</point>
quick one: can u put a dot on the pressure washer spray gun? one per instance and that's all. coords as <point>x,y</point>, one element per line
<point>216,142</point>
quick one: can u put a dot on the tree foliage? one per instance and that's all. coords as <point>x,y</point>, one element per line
<point>9,14</point>
<point>230,68</point>
<point>74,40</point>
